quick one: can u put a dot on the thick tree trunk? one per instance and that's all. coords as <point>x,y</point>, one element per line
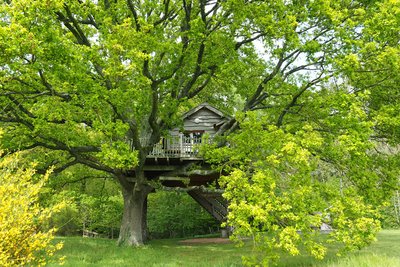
<point>145,234</point>
<point>133,230</point>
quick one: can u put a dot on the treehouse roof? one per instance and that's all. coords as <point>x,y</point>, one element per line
<point>205,106</point>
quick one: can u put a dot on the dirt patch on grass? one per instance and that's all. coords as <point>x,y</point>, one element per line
<point>213,240</point>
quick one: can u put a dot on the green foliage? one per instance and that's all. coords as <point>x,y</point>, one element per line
<point>94,84</point>
<point>86,212</point>
<point>374,66</point>
<point>97,82</point>
<point>170,214</point>
<point>174,214</point>
<point>313,85</point>
<point>288,181</point>
<point>67,221</point>
<point>101,214</point>
<point>92,204</point>
<point>390,213</point>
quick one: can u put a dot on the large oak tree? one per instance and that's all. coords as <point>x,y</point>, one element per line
<point>99,82</point>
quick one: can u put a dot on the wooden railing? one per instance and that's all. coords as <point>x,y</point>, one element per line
<point>176,147</point>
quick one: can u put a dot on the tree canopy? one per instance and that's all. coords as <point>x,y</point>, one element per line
<point>312,85</point>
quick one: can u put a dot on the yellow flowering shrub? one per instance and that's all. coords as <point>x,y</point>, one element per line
<point>23,239</point>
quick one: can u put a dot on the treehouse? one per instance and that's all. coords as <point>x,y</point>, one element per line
<point>175,161</point>
<point>199,125</point>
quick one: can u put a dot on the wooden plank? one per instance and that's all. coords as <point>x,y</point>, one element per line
<point>159,167</point>
<point>208,205</point>
<point>218,206</point>
<point>174,178</point>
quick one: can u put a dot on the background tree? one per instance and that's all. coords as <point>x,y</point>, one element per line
<point>94,201</point>
<point>176,214</point>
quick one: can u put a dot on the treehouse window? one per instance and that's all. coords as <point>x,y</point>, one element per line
<point>197,137</point>
<point>193,137</point>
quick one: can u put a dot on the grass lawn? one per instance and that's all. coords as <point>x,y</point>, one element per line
<point>104,252</point>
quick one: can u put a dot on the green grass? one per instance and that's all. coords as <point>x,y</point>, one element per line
<point>104,252</point>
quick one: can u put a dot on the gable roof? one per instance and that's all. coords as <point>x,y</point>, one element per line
<point>204,105</point>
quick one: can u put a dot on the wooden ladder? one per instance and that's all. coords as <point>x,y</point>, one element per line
<point>212,202</point>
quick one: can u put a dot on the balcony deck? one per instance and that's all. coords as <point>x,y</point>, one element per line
<point>178,147</point>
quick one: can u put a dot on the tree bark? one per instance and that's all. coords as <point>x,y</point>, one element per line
<point>133,230</point>
<point>145,234</point>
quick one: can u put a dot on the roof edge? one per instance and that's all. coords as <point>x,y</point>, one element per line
<point>204,105</point>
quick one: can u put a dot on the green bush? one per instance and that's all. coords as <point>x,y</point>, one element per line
<point>99,214</point>
<point>67,221</point>
<point>175,214</point>
<point>390,218</point>
<point>170,214</point>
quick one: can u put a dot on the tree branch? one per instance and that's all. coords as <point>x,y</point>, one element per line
<point>196,91</point>
<point>296,97</point>
<point>83,178</point>
<point>59,169</point>
<point>50,88</point>
<point>78,29</point>
<point>253,100</point>
<point>167,14</point>
<point>135,15</point>
<point>94,164</point>
<point>249,40</point>
<point>196,73</point>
